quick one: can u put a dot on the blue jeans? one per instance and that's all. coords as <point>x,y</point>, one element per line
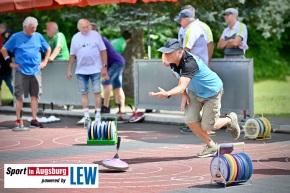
<point>8,81</point>
<point>83,82</point>
<point>115,72</point>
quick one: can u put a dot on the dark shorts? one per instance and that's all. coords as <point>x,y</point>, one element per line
<point>27,85</point>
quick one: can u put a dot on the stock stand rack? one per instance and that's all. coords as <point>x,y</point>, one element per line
<point>104,132</point>
<point>227,168</point>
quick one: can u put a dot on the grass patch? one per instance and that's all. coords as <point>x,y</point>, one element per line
<point>272,98</point>
<point>128,101</point>
<point>5,94</point>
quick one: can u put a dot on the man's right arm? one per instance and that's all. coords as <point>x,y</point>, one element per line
<point>54,54</point>
<point>7,58</point>
<point>210,48</point>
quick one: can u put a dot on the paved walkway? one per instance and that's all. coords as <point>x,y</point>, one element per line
<point>160,158</point>
<point>169,117</point>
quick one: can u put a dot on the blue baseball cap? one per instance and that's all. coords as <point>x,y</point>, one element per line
<point>186,13</point>
<point>170,46</point>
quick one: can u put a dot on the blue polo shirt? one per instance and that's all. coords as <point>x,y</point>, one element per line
<point>204,82</point>
<point>27,51</point>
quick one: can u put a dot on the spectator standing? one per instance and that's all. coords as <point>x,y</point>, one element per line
<point>196,38</point>
<point>5,70</point>
<point>87,45</point>
<point>57,42</point>
<point>26,46</point>
<point>116,65</point>
<point>193,38</point>
<point>206,29</point>
<point>234,38</point>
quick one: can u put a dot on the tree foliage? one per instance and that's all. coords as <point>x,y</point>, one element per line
<point>268,23</point>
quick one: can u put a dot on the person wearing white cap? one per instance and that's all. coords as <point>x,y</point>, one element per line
<point>234,38</point>
<point>201,89</point>
<point>210,47</point>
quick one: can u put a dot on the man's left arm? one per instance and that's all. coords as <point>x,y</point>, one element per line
<point>104,58</point>
<point>44,62</point>
<point>44,47</point>
<point>236,42</point>
<point>54,54</point>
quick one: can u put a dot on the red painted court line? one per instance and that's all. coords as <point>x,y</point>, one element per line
<point>154,170</point>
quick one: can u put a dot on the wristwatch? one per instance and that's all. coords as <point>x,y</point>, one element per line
<point>105,65</point>
<point>168,96</point>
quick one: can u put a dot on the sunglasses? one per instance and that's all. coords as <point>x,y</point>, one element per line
<point>227,13</point>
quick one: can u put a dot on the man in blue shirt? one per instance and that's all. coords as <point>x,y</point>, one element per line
<point>27,46</point>
<point>201,89</point>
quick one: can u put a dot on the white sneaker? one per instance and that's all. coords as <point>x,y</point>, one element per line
<point>52,118</point>
<point>83,120</point>
<point>40,120</point>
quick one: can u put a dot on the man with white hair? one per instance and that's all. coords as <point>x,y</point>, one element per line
<point>57,42</point>
<point>234,38</point>
<point>87,45</point>
<point>26,46</point>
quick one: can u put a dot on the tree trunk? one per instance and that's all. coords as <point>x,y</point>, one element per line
<point>134,50</point>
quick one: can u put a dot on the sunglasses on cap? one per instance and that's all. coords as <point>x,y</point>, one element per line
<point>227,13</point>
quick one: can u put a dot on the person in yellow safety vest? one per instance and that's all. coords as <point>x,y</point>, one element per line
<point>234,38</point>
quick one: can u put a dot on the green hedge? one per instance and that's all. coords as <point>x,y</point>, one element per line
<point>269,59</point>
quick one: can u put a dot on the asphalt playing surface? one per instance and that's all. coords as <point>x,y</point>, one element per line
<point>160,157</point>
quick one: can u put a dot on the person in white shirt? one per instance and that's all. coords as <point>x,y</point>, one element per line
<point>234,38</point>
<point>89,49</point>
<point>193,38</point>
<point>206,29</point>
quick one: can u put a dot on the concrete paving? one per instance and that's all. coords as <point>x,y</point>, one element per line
<point>279,124</point>
<point>160,157</point>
